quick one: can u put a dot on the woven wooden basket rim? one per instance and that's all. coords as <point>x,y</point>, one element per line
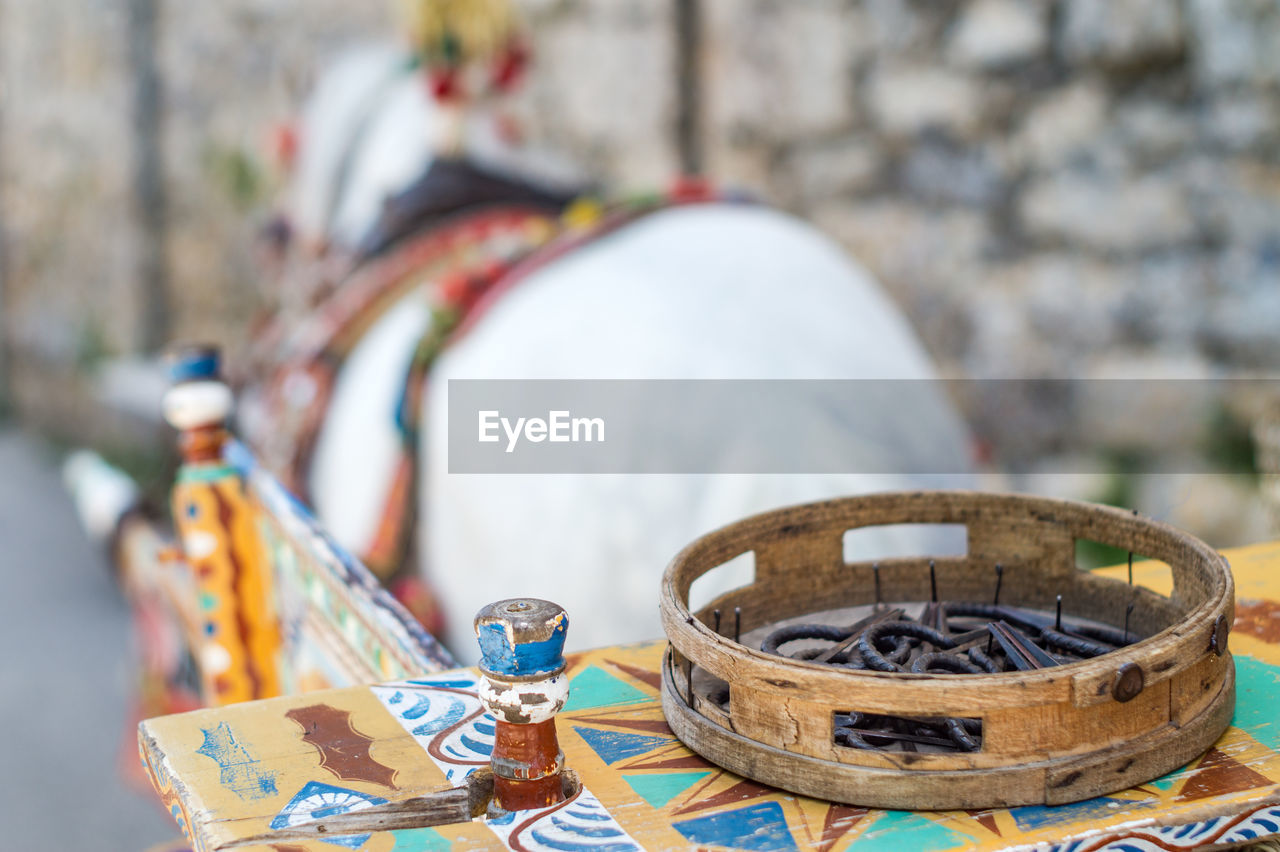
<point>1049,736</point>
<point>691,636</point>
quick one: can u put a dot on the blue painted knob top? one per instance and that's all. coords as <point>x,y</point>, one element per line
<point>194,363</point>
<point>522,638</point>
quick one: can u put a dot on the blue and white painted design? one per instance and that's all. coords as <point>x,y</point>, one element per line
<point>1260,824</point>
<point>317,801</point>
<point>444,716</point>
<point>240,772</point>
<point>580,825</point>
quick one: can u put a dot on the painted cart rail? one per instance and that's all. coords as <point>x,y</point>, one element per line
<point>340,625</point>
<point>235,772</point>
<point>251,598</point>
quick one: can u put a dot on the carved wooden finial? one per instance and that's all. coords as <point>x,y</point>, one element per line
<point>524,686</point>
<point>216,522</point>
<point>198,403</point>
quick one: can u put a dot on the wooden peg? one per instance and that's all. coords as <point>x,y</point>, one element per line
<point>524,686</point>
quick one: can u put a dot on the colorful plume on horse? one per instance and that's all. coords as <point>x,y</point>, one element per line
<point>470,48</point>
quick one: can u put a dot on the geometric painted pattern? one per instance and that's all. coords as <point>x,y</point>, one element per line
<point>760,827</point>
<point>444,716</point>
<point>893,830</point>
<point>593,687</point>
<point>659,788</point>
<point>1264,821</point>
<point>612,746</point>
<point>1039,816</point>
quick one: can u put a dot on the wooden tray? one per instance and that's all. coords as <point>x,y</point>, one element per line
<point>1049,736</point>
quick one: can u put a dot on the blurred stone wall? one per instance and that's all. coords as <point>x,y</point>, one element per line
<point>1072,188</point>
<point>64,144</point>
<point>1064,188</point>
<point>603,87</point>
<point>76,242</point>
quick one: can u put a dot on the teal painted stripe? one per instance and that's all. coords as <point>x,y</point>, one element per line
<point>419,840</point>
<point>658,790</point>
<point>898,830</point>
<point>1258,700</point>
<point>595,687</point>
<point>204,473</point>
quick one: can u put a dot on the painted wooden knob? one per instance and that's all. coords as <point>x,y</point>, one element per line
<point>198,403</point>
<point>524,686</point>
<point>198,397</point>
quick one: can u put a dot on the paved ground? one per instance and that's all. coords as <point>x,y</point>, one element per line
<point>65,685</point>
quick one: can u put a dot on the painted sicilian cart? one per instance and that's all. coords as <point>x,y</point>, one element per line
<point>412,764</point>
<point>870,688</point>
<point>1159,736</point>
<point>807,707</point>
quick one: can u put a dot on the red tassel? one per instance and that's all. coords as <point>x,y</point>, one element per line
<point>444,84</point>
<point>510,66</point>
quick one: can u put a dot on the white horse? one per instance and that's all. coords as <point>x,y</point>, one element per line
<point>707,291</point>
<point>369,128</point>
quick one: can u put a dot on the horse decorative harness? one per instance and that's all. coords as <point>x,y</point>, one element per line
<point>466,237</point>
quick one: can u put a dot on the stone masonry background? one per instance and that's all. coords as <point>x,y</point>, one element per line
<point>1048,188</point>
